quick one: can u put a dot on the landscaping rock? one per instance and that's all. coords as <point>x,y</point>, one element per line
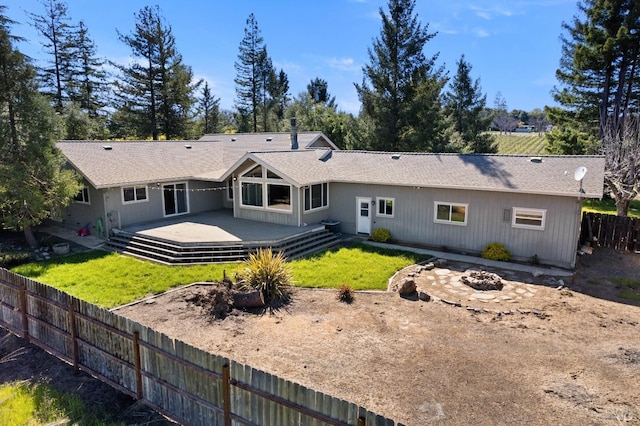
<point>482,280</point>
<point>407,287</point>
<point>423,296</point>
<point>439,263</point>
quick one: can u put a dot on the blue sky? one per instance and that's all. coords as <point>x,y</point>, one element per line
<point>513,46</point>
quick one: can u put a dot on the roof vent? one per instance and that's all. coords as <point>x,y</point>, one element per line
<point>536,159</point>
<point>107,147</point>
<point>188,146</point>
<point>396,156</point>
<point>269,139</point>
<point>326,155</point>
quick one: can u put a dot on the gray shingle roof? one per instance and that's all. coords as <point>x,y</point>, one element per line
<point>215,157</point>
<point>553,175</point>
<point>139,162</point>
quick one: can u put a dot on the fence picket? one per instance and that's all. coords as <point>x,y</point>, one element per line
<point>179,380</point>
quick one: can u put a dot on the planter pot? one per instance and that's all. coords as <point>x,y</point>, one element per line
<point>61,248</point>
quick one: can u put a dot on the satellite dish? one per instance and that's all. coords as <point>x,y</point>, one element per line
<point>579,173</point>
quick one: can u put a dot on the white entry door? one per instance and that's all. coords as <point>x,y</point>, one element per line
<point>363,222</point>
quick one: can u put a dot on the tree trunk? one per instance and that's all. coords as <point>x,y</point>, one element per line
<point>30,237</point>
<point>622,206</point>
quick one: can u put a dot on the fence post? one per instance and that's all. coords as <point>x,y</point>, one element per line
<point>23,309</point>
<point>74,335</point>
<point>226,394</point>
<point>137,362</point>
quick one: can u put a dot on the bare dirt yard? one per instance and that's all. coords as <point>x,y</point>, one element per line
<point>532,353</point>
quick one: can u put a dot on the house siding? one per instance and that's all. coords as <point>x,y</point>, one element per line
<point>413,220</point>
<point>77,215</point>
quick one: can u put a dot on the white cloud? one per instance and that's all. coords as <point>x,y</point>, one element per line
<point>343,64</point>
<point>480,32</point>
<point>488,12</point>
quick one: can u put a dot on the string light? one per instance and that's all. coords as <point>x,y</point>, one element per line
<point>160,188</point>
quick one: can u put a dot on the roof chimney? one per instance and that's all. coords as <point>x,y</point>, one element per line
<point>294,134</point>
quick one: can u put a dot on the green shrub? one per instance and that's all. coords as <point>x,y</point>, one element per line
<point>9,260</point>
<point>381,235</point>
<point>496,251</point>
<point>346,294</point>
<point>269,273</point>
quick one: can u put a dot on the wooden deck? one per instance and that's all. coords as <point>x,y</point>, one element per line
<point>217,237</point>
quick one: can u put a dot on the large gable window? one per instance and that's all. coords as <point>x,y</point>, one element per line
<point>134,194</point>
<point>252,194</point>
<point>279,196</point>
<point>259,184</point>
<point>316,196</point>
<point>451,213</point>
<point>528,218</point>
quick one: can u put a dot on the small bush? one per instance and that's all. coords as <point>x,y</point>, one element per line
<point>269,273</point>
<point>381,235</point>
<point>346,294</point>
<point>9,260</point>
<point>496,251</point>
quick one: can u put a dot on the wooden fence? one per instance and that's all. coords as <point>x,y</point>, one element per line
<point>605,230</point>
<point>184,383</point>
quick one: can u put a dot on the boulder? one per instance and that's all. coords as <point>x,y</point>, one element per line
<point>407,287</point>
<point>423,296</point>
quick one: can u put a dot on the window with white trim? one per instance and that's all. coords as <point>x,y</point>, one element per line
<point>82,196</point>
<point>527,218</point>
<point>316,196</point>
<point>450,213</point>
<point>134,194</point>
<point>229,189</point>
<point>259,184</point>
<point>385,206</point>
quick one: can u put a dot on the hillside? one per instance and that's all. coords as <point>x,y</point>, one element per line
<point>520,143</point>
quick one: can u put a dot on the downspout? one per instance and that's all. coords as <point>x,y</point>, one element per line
<point>578,230</point>
<point>300,207</point>
<point>106,222</point>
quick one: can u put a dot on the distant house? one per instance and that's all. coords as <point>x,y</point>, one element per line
<point>458,202</point>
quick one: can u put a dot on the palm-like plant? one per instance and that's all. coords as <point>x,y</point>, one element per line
<point>268,272</point>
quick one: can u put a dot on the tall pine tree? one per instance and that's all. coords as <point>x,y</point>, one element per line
<point>599,91</point>
<point>54,25</point>
<point>259,89</point>
<point>464,105</point>
<point>599,71</point>
<point>156,93</point>
<point>33,181</point>
<point>88,86</point>
<point>400,92</point>
<point>210,110</point>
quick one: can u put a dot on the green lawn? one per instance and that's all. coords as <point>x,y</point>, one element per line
<point>608,206</point>
<point>362,267</point>
<point>39,404</point>
<point>110,279</point>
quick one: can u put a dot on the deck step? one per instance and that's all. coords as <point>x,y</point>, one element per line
<point>173,253</point>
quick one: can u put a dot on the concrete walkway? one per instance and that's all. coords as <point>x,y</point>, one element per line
<point>89,241</point>
<point>477,260</point>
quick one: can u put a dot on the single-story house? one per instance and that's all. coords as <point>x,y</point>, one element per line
<point>449,201</point>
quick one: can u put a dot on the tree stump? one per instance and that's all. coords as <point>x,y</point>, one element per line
<point>250,299</point>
